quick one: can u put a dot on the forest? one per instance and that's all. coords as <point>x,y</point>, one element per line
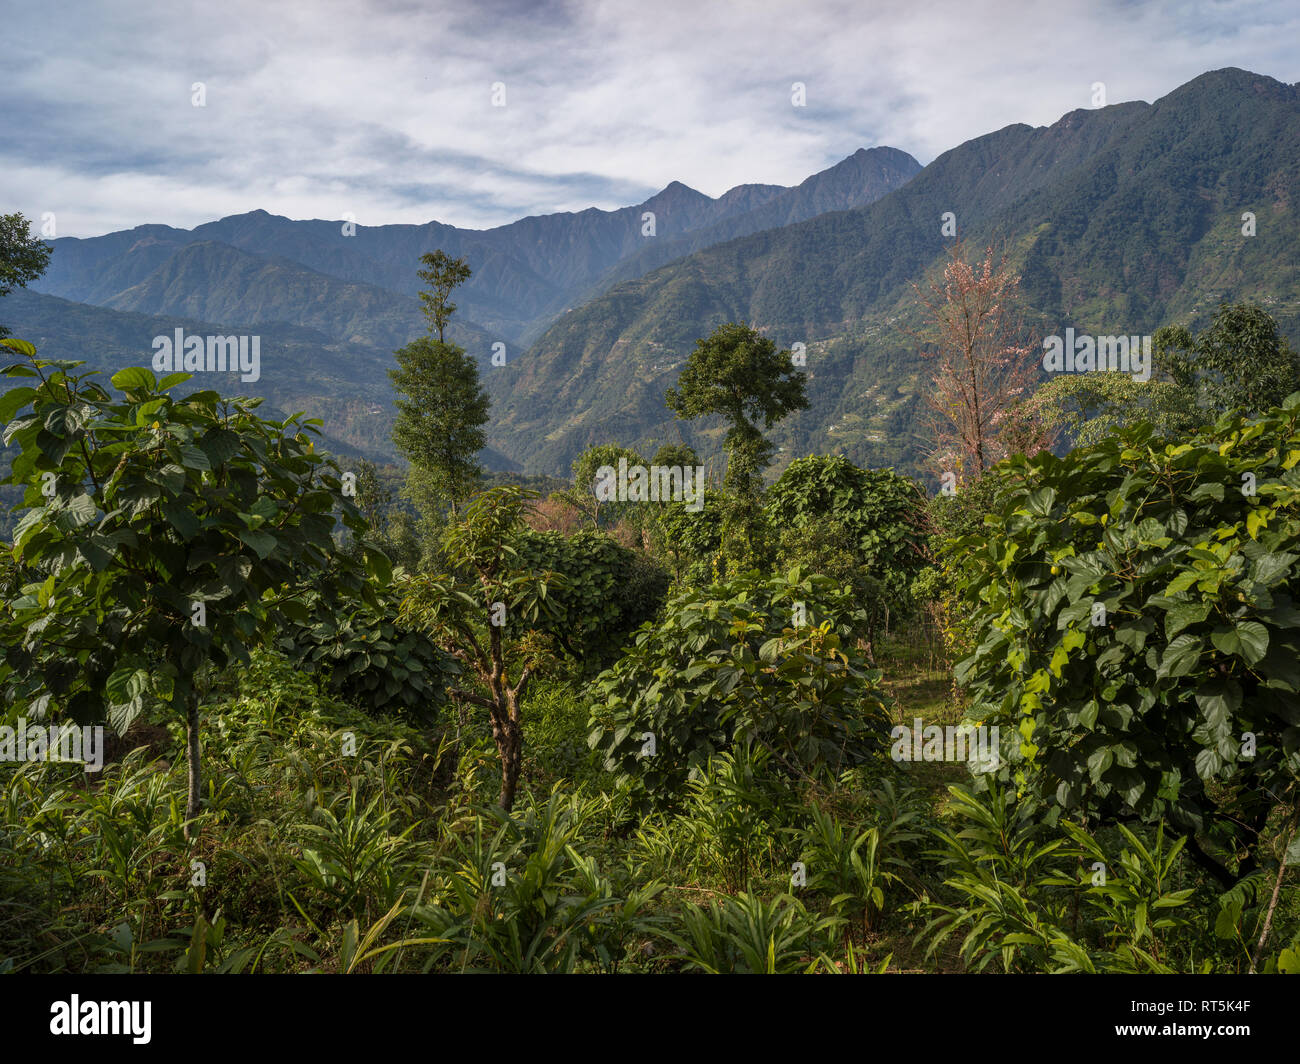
<point>361,719</point>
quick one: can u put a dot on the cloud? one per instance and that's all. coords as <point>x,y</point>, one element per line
<point>383,110</point>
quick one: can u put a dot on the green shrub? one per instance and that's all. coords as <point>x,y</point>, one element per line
<point>768,661</point>
<point>882,516</point>
<point>367,658</point>
<point>607,592</point>
<point>1140,635</point>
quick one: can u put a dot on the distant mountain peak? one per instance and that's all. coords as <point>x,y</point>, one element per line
<point>676,192</point>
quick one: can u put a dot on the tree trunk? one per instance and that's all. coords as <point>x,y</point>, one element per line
<point>510,747</point>
<point>192,760</point>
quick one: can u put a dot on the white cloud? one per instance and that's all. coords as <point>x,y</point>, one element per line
<point>383,109</point>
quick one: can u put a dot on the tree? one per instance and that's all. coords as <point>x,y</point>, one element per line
<point>439,426</point>
<point>973,331</point>
<point>162,534</point>
<point>23,258</point>
<point>585,497</point>
<point>443,273</point>
<point>373,498</point>
<point>469,608</point>
<point>740,375</point>
<point>1239,361</point>
<point>1085,408</point>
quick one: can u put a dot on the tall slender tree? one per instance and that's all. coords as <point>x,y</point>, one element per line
<point>440,420</point>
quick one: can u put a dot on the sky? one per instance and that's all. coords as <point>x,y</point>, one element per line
<point>480,112</point>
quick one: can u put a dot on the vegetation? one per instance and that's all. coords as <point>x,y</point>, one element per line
<point>23,257</point>
<point>584,735</point>
<point>440,418</point>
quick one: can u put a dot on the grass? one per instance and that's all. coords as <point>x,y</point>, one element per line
<point>315,860</point>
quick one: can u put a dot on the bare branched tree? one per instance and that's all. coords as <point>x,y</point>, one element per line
<point>984,369</point>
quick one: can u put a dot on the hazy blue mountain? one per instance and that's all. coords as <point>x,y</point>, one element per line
<point>525,273</point>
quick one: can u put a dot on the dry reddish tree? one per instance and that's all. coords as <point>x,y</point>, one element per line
<point>985,370</point>
<point>555,514</point>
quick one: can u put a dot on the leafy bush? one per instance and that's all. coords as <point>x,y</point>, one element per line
<point>608,591</point>
<point>953,518</point>
<point>1040,901</point>
<point>1140,631</point>
<point>881,513</point>
<point>748,935</point>
<point>527,898</point>
<point>768,661</point>
<point>367,658</point>
<point>857,866</point>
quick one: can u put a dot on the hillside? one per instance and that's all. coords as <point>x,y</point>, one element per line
<point>1122,219</point>
<point>301,369</point>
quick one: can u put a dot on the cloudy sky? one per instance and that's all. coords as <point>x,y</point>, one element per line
<point>384,109</point>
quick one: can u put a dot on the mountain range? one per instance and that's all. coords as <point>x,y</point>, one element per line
<point>1120,219</point>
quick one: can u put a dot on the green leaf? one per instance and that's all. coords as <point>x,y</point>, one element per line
<point>378,565</point>
<point>262,543</point>
<point>1219,700</point>
<point>14,400</point>
<point>1253,638</point>
<point>185,521</point>
<point>194,458</point>
<point>1181,656</point>
<point>134,377</point>
<point>1185,613</point>
<point>79,512</point>
<point>1226,640</point>
<point>21,346</point>
<point>220,445</point>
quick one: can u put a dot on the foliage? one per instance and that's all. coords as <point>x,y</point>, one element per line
<point>1023,896</point>
<point>492,587</point>
<point>525,899</point>
<point>585,497</point>
<point>767,661</point>
<point>740,375</point>
<point>1085,408</point>
<point>162,534</point>
<point>441,273</point>
<point>953,518</point>
<point>1140,635</point>
<point>23,257</point>
<point>366,657</point>
<point>608,591</point>
<point>856,867</point>
<point>747,934</point>
<point>691,541</point>
<point>440,416</point>
<point>1239,361</point>
<point>882,513</point>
